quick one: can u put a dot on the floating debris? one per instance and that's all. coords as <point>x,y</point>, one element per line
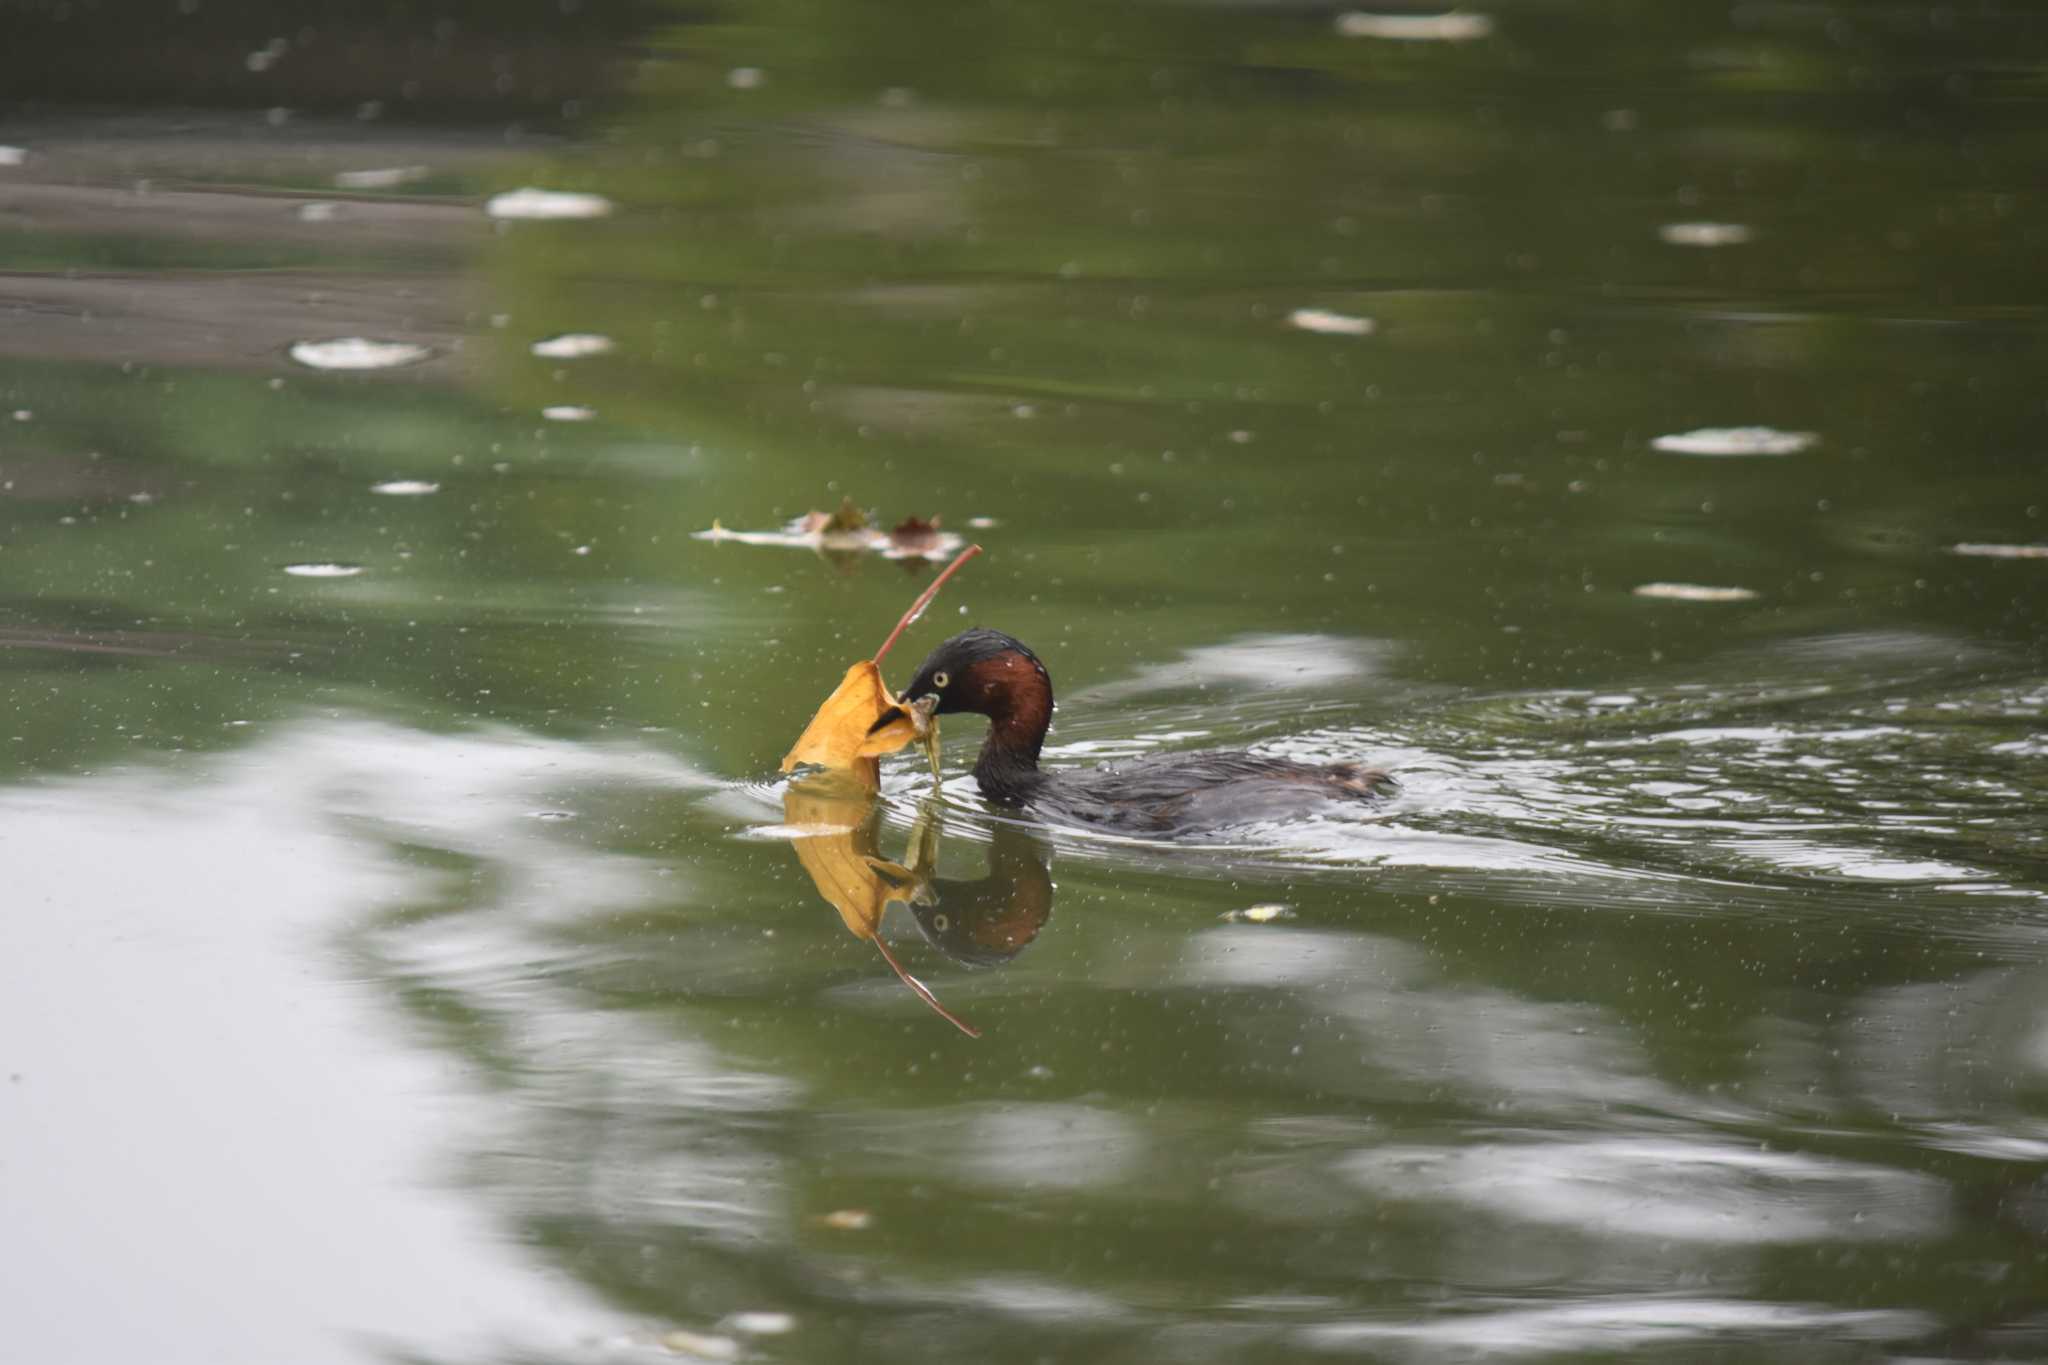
<point>1693,592</point>
<point>318,211</point>
<point>323,570</point>
<point>382,178</point>
<point>551,814</point>
<point>357,353</point>
<point>1259,914</point>
<point>1328,323</point>
<point>847,531</point>
<point>982,523</point>
<point>572,345</point>
<point>701,1345</point>
<point>568,412</point>
<point>746,77</point>
<point>405,488</point>
<point>13,156</point>
<point>531,203</point>
<point>1454,27</point>
<point>1705,234</point>
<point>848,1220</point>
<point>1979,550</point>
<point>1736,441</point>
<point>916,538</point>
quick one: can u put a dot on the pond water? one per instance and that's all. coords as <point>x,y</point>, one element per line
<point>1623,421</point>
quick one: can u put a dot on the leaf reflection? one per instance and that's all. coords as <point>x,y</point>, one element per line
<point>977,922</point>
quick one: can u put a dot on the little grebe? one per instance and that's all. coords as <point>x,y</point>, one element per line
<point>991,674</point>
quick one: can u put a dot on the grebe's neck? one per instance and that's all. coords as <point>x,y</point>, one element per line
<point>1008,770</point>
<point>1016,696</point>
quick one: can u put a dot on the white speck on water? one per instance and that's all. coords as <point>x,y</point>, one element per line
<point>531,203</point>
<point>1705,234</point>
<point>761,1323</point>
<point>405,488</point>
<point>24,415</point>
<point>1024,410</point>
<point>746,77</point>
<point>379,178</point>
<point>583,550</point>
<point>982,523</point>
<point>323,570</point>
<point>1693,592</point>
<point>1453,27</point>
<point>1977,550</point>
<point>1736,441</point>
<point>552,814</point>
<point>572,345</point>
<point>568,412</point>
<point>1327,323</point>
<point>13,156</point>
<point>357,353</point>
<point>318,211</point>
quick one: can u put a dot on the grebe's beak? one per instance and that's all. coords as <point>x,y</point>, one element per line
<point>918,715</point>
<point>924,715</point>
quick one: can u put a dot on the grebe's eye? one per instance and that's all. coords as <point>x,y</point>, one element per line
<point>941,680</point>
<point>941,923</point>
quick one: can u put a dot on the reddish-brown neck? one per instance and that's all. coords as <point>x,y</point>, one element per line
<point>1013,691</point>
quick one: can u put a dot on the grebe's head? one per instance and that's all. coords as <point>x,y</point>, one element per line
<point>983,671</point>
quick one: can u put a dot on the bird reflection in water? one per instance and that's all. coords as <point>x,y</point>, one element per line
<point>977,922</point>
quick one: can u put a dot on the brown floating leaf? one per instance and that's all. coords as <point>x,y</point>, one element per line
<point>846,519</point>
<point>914,536</point>
<point>859,720</point>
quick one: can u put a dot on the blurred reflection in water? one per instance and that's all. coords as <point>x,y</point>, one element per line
<point>1678,537</point>
<point>210,1101</point>
<point>833,824</point>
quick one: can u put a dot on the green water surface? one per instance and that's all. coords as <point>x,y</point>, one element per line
<point>405,953</point>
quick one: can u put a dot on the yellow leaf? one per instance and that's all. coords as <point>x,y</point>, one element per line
<point>860,720</point>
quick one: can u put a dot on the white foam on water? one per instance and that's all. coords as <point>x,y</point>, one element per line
<point>1457,26</point>
<point>379,178</point>
<point>1327,323</point>
<point>1705,234</point>
<point>1736,441</point>
<point>535,204</point>
<point>357,353</point>
<point>1693,592</point>
<point>572,345</point>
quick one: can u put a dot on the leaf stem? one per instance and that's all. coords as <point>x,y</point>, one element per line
<point>916,610</point>
<point>924,992</point>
